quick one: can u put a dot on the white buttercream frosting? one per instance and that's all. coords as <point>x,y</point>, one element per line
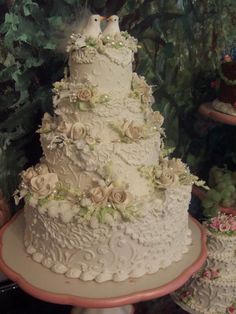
<point>92,210</point>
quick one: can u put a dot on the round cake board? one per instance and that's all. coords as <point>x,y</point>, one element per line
<point>46,285</point>
<point>208,111</point>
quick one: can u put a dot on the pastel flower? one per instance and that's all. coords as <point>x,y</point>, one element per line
<point>90,140</point>
<point>131,130</point>
<point>44,184</point>
<point>78,131</point>
<point>84,94</point>
<point>41,168</point>
<point>224,227</point>
<point>231,310</point>
<point>98,195</point>
<point>64,127</point>
<point>118,196</point>
<point>177,165</point>
<point>167,178</point>
<point>28,174</point>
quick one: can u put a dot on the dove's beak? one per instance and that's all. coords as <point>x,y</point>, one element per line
<point>102,18</point>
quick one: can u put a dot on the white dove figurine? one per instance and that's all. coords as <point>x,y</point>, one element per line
<point>112,27</point>
<point>93,29</point>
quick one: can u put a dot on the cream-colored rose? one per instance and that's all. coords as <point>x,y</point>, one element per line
<point>84,94</point>
<point>28,174</point>
<point>167,178</point>
<point>131,130</point>
<point>64,127</point>
<point>98,195</point>
<point>118,196</point>
<point>44,184</point>
<point>177,166</point>
<point>41,168</point>
<point>90,140</point>
<point>78,131</point>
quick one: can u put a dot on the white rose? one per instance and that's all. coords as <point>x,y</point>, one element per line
<point>84,94</point>
<point>131,130</point>
<point>98,195</point>
<point>167,178</point>
<point>41,168</point>
<point>44,184</point>
<point>177,165</point>
<point>118,196</point>
<point>78,131</point>
<point>64,127</point>
<point>28,174</point>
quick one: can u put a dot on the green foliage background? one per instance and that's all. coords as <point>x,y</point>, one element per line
<point>181,41</point>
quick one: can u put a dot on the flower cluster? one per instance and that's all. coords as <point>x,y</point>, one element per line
<point>37,181</point>
<point>141,90</point>
<point>130,131</point>
<point>169,172</point>
<point>231,309</point>
<point>185,296</point>
<point>83,96</point>
<point>121,40</point>
<point>223,223</point>
<point>211,273</point>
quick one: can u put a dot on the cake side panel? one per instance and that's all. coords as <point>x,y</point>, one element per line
<point>115,250</point>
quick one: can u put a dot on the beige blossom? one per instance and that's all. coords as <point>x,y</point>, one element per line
<point>177,165</point>
<point>131,130</point>
<point>64,127</point>
<point>90,140</point>
<point>167,178</point>
<point>78,131</point>
<point>84,94</point>
<point>98,195</point>
<point>157,118</point>
<point>44,184</point>
<point>41,168</point>
<point>28,174</point>
<point>118,196</point>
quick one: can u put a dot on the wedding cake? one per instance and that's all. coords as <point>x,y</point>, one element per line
<point>213,289</point>
<point>104,203</point>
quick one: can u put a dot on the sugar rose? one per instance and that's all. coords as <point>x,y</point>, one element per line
<point>28,174</point>
<point>41,168</point>
<point>84,94</point>
<point>78,131</point>
<point>64,127</point>
<point>98,195</point>
<point>90,140</point>
<point>119,197</point>
<point>44,184</point>
<point>131,130</point>
<point>167,178</point>
<point>177,165</point>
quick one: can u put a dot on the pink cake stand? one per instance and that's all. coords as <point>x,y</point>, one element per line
<point>208,111</point>
<point>91,297</point>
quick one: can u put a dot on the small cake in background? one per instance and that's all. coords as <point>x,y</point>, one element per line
<point>213,288</point>
<point>226,101</point>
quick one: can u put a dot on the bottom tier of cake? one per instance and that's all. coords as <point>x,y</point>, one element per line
<point>115,249</point>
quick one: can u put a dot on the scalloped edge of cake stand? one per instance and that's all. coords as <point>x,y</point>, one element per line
<point>43,284</point>
<point>208,111</point>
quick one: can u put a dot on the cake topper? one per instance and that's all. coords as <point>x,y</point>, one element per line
<point>93,28</point>
<point>112,27</point>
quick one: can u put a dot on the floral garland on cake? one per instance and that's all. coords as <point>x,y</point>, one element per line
<point>223,224</point>
<point>103,201</point>
<point>82,95</point>
<point>73,133</point>
<point>168,173</point>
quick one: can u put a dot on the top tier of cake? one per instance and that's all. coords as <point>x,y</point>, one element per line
<point>105,63</point>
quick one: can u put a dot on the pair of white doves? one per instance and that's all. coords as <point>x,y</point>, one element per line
<point>93,28</point>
